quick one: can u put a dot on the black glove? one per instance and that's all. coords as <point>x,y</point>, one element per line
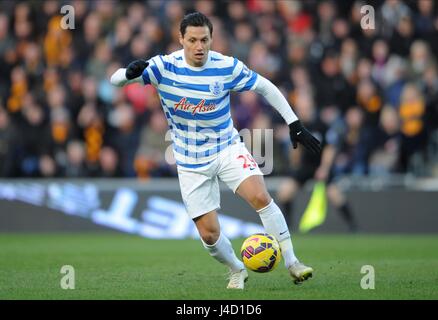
<point>135,69</point>
<point>298,133</point>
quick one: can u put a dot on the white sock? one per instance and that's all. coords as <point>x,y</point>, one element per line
<point>223,252</point>
<point>275,224</point>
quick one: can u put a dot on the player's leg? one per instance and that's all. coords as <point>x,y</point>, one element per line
<point>220,248</point>
<point>216,243</point>
<point>286,195</point>
<point>339,201</point>
<point>200,193</point>
<point>253,190</point>
<point>242,175</point>
<point>289,188</point>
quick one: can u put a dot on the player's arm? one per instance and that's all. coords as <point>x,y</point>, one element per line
<point>298,133</point>
<point>333,137</point>
<point>132,74</point>
<point>327,158</point>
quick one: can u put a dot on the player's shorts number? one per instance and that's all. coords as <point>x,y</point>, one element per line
<point>248,161</point>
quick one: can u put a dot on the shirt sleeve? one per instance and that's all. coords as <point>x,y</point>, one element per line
<point>153,73</point>
<point>243,78</point>
<point>118,79</point>
<point>275,98</point>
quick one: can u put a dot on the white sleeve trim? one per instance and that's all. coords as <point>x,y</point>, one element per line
<point>119,78</point>
<point>275,98</point>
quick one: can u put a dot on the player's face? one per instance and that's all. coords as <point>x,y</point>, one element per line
<point>196,43</point>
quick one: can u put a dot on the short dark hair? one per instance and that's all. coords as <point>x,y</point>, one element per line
<point>195,19</point>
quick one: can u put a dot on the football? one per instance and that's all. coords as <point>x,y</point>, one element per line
<point>260,252</point>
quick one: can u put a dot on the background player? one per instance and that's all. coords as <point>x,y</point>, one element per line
<point>194,86</point>
<point>341,140</point>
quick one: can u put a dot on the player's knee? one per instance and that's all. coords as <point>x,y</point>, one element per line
<point>287,191</point>
<point>261,200</point>
<point>282,195</point>
<point>210,236</point>
<point>335,195</point>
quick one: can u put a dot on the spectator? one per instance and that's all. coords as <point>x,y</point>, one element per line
<point>369,99</point>
<point>421,59</point>
<point>403,37</point>
<point>150,158</point>
<point>6,147</point>
<point>391,12</point>
<point>424,19</point>
<point>96,65</point>
<point>412,110</point>
<point>429,86</point>
<point>348,60</point>
<point>109,163</point>
<point>352,144</point>
<point>244,36</point>
<point>54,82</point>
<point>332,88</point>
<point>384,158</point>
<point>33,140</point>
<point>124,133</point>
<point>326,16</point>
<point>380,59</point>
<point>75,162</point>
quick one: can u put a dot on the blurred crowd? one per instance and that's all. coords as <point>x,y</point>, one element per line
<point>377,88</point>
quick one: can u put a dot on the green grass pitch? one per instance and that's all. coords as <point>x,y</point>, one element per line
<point>116,266</point>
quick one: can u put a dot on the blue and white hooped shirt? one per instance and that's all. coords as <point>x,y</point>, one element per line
<point>196,102</point>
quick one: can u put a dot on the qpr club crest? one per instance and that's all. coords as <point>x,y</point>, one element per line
<point>216,88</point>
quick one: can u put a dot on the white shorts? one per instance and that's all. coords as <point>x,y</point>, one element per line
<point>200,186</point>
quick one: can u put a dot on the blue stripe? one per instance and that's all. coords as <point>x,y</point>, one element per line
<point>206,153</point>
<point>145,76</point>
<point>206,140</point>
<point>156,72</point>
<point>192,166</point>
<point>188,141</point>
<point>232,84</point>
<point>183,127</point>
<point>250,83</point>
<point>191,86</point>
<point>209,72</point>
<point>201,87</point>
<point>236,61</point>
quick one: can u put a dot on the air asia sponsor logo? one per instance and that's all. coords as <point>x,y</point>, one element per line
<point>185,105</point>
